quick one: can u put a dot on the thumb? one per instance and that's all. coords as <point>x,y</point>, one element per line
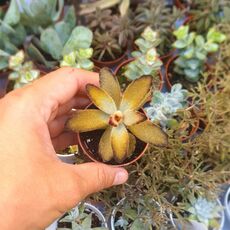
<point>82,180</point>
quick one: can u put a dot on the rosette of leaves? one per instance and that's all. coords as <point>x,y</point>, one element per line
<point>105,47</point>
<point>193,51</point>
<point>204,211</point>
<point>34,13</point>
<point>207,13</point>
<point>118,114</point>
<point>164,106</point>
<point>79,59</point>
<point>79,220</point>
<point>23,71</point>
<point>63,43</point>
<point>159,17</point>
<point>146,60</point>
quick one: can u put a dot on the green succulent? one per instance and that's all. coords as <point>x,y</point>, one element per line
<point>79,59</point>
<point>22,72</point>
<point>146,60</point>
<point>204,211</point>
<point>193,51</point>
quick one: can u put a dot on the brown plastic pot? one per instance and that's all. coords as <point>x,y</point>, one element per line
<point>3,83</point>
<point>89,142</point>
<point>126,62</point>
<point>109,64</point>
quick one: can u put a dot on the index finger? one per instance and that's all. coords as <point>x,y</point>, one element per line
<point>58,87</point>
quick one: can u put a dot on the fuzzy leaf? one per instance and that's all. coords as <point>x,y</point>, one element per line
<point>110,84</point>
<point>101,99</point>
<point>149,133</point>
<point>133,117</point>
<point>105,148</point>
<point>132,144</point>
<point>12,16</point>
<point>135,93</point>
<point>88,120</point>
<point>120,142</point>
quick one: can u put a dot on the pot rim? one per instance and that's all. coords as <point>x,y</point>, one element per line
<point>227,202</point>
<point>115,165</point>
<point>127,61</point>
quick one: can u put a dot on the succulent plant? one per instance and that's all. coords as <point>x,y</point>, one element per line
<point>23,72</point>
<point>105,47</point>
<point>146,60</point>
<point>33,13</point>
<point>193,51</point>
<point>79,59</point>
<point>164,106</point>
<point>79,219</point>
<point>204,211</point>
<point>117,114</point>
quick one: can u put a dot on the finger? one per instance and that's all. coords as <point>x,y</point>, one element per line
<point>78,102</point>
<point>58,87</point>
<point>82,180</point>
<point>64,140</point>
<point>57,126</point>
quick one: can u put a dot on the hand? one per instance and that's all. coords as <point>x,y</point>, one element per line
<point>36,187</point>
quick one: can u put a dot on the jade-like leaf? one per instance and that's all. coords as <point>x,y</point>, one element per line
<point>132,144</point>
<point>12,16</point>
<point>88,120</point>
<point>110,84</point>
<point>135,93</point>
<point>105,148</point>
<point>120,142</point>
<point>149,133</point>
<point>133,117</point>
<point>181,32</point>
<point>101,99</point>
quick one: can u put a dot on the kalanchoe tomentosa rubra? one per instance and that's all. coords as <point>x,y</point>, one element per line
<point>118,114</point>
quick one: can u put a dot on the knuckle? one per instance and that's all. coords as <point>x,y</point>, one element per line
<point>102,176</point>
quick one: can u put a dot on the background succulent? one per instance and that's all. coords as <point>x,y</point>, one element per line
<point>146,60</point>
<point>117,114</point>
<point>164,106</point>
<point>193,51</point>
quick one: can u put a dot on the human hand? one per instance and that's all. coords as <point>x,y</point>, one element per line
<point>36,187</point>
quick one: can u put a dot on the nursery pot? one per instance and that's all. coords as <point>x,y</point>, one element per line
<point>67,158</point>
<point>227,203</point>
<point>3,83</point>
<point>126,62</point>
<point>195,225</point>
<point>89,208</point>
<point>111,63</point>
<point>89,142</point>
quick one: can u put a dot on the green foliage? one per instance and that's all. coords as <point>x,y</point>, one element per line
<point>22,72</point>
<point>204,211</point>
<point>79,59</point>
<point>80,219</point>
<point>146,58</point>
<point>33,13</point>
<point>193,51</point>
<point>164,106</point>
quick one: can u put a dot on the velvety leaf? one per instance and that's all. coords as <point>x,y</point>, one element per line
<point>63,30</point>
<point>101,99</point>
<point>51,43</point>
<point>110,84</point>
<point>132,144</point>
<point>12,16</point>
<point>70,17</point>
<point>120,142</point>
<point>149,133</point>
<point>105,147</point>
<point>135,93</point>
<point>81,37</point>
<point>133,117</point>
<point>88,120</point>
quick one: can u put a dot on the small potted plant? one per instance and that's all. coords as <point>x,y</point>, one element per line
<point>138,214</point>
<point>84,216</point>
<point>127,129</point>
<point>144,61</point>
<point>207,214</point>
<point>164,109</point>
<point>192,57</point>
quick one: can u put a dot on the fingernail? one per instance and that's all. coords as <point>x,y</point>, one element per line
<point>120,177</point>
